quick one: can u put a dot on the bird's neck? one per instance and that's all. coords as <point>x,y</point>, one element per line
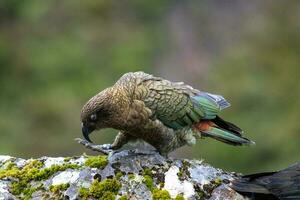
<point>120,103</point>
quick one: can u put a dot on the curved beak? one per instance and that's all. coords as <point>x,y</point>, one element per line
<point>86,132</point>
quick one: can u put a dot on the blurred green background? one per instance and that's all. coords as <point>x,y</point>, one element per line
<point>55,55</point>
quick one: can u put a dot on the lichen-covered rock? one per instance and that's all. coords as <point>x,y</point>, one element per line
<point>129,174</point>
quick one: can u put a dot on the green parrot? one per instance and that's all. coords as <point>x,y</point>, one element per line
<point>165,114</point>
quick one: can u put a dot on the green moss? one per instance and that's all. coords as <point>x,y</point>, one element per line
<point>21,177</point>
<point>108,196</point>
<point>148,172</point>
<point>59,188</point>
<point>180,173</point>
<point>207,189</point>
<point>123,197</point>
<point>10,165</point>
<point>161,184</point>
<point>67,159</point>
<point>147,178</point>
<point>183,171</point>
<point>131,176</point>
<point>84,193</point>
<point>179,197</point>
<point>148,181</point>
<point>24,176</point>
<point>9,171</point>
<point>160,195</point>
<point>201,195</point>
<point>96,161</point>
<point>105,190</point>
<point>118,175</point>
<point>98,189</point>
<point>27,193</point>
<point>217,182</point>
<point>17,188</point>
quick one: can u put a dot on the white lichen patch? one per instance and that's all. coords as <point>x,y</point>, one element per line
<point>138,178</point>
<point>65,177</point>
<point>3,188</point>
<point>136,187</point>
<point>21,162</point>
<point>175,186</point>
<point>78,161</point>
<point>204,174</point>
<point>53,161</point>
<point>135,179</point>
<point>4,191</point>
<point>3,159</point>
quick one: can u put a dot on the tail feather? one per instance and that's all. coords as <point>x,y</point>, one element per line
<point>227,125</point>
<point>227,137</point>
<point>231,135</point>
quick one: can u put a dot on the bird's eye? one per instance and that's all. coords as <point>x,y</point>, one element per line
<point>93,117</point>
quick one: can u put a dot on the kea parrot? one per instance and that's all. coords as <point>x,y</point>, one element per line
<point>165,114</point>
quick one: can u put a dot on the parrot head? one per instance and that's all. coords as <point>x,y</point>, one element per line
<point>96,114</point>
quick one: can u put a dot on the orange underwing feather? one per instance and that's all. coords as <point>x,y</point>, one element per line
<point>204,125</point>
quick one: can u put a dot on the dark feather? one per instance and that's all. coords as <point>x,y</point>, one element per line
<point>284,184</point>
<point>227,125</point>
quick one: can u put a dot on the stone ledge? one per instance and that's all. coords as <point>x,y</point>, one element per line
<point>129,174</point>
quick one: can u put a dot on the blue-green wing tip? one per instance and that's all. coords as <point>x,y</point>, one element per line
<point>218,99</point>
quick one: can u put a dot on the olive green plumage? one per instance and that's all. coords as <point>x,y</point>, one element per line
<point>177,105</point>
<point>163,113</point>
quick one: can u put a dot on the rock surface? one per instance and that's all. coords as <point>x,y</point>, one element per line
<point>128,174</point>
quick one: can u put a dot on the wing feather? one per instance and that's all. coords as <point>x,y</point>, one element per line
<point>176,104</point>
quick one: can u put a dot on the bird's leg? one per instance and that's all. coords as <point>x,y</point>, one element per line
<point>121,139</point>
<point>102,148</point>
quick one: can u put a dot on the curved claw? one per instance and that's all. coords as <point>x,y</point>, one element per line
<point>105,149</point>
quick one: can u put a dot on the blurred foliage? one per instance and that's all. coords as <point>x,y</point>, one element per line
<point>55,55</point>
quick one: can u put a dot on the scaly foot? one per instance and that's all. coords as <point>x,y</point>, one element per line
<point>102,148</point>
